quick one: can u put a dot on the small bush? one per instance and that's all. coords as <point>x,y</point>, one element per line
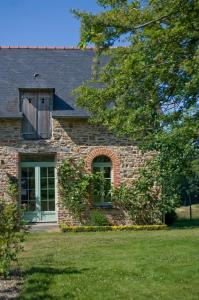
<point>11,235</point>
<point>65,228</point>
<point>98,218</point>
<point>140,200</point>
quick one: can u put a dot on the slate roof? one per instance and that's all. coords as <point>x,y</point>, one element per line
<point>62,69</point>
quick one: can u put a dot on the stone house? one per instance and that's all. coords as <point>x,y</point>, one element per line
<point>40,126</point>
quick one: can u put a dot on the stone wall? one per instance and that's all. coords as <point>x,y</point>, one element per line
<point>71,138</point>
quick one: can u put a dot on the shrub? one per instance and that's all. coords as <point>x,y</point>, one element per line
<point>98,218</point>
<point>65,228</point>
<point>11,235</point>
<point>140,200</point>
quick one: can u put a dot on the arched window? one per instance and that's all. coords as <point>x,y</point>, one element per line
<point>102,165</point>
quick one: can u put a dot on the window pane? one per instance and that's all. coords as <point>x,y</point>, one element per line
<point>51,182</point>
<point>44,194</point>
<point>32,206</point>
<point>44,183</point>
<point>51,172</point>
<point>44,205</point>
<point>24,172</point>
<point>96,170</point>
<point>31,194</point>
<point>24,183</point>
<point>31,183</point>
<point>97,199</point>
<point>24,206</point>
<point>24,201</point>
<point>51,194</point>
<point>107,191</point>
<point>24,194</point>
<point>52,205</point>
<point>43,172</point>
<point>107,172</point>
<point>31,172</point>
<point>101,158</point>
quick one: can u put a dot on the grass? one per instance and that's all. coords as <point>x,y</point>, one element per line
<point>111,265</point>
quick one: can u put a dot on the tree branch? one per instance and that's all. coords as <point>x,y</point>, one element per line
<point>152,21</point>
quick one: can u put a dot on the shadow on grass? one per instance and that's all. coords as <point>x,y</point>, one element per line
<point>38,282</point>
<point>185,223</point>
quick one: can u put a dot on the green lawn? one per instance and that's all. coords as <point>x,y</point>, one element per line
<point>112,265</point>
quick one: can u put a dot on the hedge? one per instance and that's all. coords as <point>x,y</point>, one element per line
<point>66,228</point>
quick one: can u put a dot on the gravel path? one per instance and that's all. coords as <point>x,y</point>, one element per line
<point>9,289</point>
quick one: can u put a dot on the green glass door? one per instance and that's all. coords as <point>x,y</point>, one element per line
<point>38,191</point>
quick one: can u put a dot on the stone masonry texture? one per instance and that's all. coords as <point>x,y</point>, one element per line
<point>71,138</point>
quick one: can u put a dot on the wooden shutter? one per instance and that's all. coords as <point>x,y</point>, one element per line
<point>29,109</point>
<point>44,118</point>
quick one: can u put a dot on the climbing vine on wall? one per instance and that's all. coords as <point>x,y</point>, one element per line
<point>74,185</point>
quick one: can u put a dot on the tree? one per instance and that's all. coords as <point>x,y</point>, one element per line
<point>154,80</point>
<point>149,88</point>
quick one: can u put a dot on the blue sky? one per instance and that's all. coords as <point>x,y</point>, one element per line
<point>41,22</point>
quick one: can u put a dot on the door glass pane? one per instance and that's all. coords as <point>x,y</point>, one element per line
<point>44,205</point>
<point>31,172</point>
<point>44,183</point>
<point>44,194</point>
<point>47,188</point>
<point>43,172</point>
<point>24,195</point>
<point>51,172</point>
<point>31,183</point>
<point>32,206</point>
<point>51,194</point>
<point>24,183</point>
<point>28,200</point>
<point>51,183</point>
<point>31,194</point>
<point>24,173</point>
<point>52,205</point>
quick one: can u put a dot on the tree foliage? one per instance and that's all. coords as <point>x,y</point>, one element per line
<point>154,80</point>
<point>149,89</point>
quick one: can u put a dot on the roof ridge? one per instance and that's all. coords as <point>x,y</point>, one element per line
<point>45,47</point>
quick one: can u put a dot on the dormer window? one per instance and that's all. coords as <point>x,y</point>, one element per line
<point>36,106</point>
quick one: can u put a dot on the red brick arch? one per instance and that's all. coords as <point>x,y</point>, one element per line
<point>114,159</point>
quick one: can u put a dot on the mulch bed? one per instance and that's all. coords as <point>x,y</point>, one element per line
<point>9,288</point>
